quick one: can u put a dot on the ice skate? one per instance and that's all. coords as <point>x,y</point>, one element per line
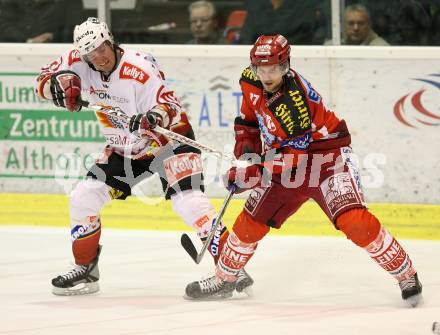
<point>244,282</point>
<point>82,279</point>
<point>212,288</point>
<point>411,290</point>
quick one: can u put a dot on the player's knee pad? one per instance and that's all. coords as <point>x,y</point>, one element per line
<point>194,207</point>
<point>88,197</point>
<point>248,230</point>
<point>359,225</point>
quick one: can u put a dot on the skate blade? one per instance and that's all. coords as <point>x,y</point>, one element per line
<point>247,288</point>
<point>225,296</point>
<point>80,289</point>
<point>248,291</point>
<point>415,300</point>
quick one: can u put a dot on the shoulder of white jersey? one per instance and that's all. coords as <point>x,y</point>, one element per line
<point>73,58</point>
<point>138,66</point>
<point>68,60</point>
<point>249,77</point>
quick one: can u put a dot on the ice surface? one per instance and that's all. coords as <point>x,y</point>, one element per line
<point>303,285</point>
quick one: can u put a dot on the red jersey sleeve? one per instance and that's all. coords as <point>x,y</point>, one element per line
<point>324,120</point>
<point>325,123</point>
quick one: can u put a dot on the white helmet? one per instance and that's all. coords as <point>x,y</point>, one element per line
<point>90,34</point>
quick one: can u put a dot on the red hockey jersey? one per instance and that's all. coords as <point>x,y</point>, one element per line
<point>293,120</point>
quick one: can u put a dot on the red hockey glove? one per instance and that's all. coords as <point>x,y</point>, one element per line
<point>247,137</point>
<point>65,87</point>
<point>243,178</point>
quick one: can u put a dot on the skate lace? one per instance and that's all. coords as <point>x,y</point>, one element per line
<point>407,283</point>
<point>211,284</point>
<point>78,270</point>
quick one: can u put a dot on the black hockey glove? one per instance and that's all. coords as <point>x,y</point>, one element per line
<point>146,121</point>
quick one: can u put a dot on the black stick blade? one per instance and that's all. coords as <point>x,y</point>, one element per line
<point>188,245</point>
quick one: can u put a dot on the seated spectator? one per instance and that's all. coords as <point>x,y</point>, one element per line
<point>204,24</point>
<point>294,19</point>
<point>402,22</point>
<point>357,28</point>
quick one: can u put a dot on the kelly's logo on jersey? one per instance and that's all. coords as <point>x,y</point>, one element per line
<point>182,166</point>
<point>130,71</point>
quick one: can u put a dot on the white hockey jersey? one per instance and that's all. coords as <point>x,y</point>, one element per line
<point>135,86</point>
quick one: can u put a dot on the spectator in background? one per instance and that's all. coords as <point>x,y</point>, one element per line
<point>402,22</point>
<point>294,19</point>
<point>357,28</point>
<point>204,24</point>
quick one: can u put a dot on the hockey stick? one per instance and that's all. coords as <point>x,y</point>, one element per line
<point>185,240</point>
<point>187,243</point>
<point>113,112</point>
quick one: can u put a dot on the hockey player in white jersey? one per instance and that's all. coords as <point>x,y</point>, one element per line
<point>105,73</point>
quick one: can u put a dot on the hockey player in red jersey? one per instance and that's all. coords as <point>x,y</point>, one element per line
<point>305,151</point>
<point>108,74</point>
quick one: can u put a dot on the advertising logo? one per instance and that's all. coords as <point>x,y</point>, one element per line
<point>130,71</point>
<point>181,166</point>
<point>412,110</point>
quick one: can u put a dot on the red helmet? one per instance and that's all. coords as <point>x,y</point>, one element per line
<point>269,50</point>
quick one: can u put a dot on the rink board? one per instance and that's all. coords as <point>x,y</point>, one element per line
<point>412,221</point>
<point>388,96</point>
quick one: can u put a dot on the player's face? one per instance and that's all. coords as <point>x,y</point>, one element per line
<point>103,57</point>
<point>271,76</point>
